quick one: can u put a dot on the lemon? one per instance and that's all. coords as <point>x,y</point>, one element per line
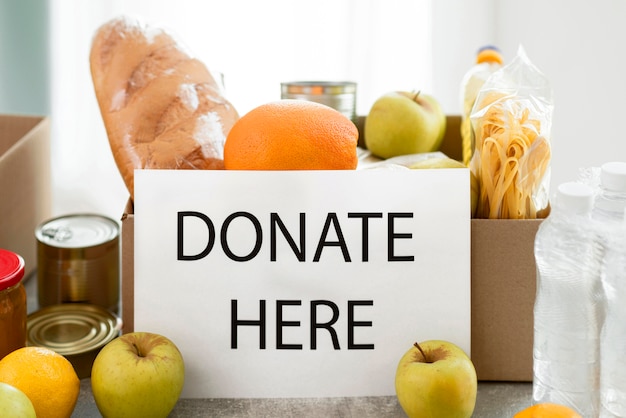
<point>46,377</point>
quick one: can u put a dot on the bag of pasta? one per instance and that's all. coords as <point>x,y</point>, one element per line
<point>512,119</point>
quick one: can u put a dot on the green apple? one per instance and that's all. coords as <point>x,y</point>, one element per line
<point>401,123</point>
<point>436,379</point>
<point>139,374</point>
<point>14,403</point>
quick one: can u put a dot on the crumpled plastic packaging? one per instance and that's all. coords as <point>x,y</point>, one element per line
<point>512,121</point>
<point>161,107</point>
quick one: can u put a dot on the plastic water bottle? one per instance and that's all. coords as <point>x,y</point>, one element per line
<point>568,306</point>
<point>611,199</point>
<point>613,335</point>
<point>609,210</point>
<point>488,61</point>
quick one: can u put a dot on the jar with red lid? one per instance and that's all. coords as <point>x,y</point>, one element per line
<point>13,312</point>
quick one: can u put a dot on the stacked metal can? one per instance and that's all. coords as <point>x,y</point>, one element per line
<point>78,261</point>
<point>340,95</point>
<point>78,287</point>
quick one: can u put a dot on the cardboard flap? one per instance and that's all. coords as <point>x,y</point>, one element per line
<point>25,183</point>
<point>14,129</point>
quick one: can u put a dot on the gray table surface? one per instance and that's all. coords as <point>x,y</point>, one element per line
<point>494,400</point>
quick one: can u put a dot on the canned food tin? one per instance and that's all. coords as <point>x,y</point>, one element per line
<point>340,95</point>
<point>74,330</point>
<point>78,260</point>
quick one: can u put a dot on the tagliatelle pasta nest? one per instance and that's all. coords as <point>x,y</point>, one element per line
<point>511,157</point>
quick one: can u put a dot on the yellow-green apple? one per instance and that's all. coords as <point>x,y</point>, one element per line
<point>446,162</point>
<point>436,379</point>
<point>139,374</point>
<point>14,403</point>
<point>401,123</point>
<point>437,162</point>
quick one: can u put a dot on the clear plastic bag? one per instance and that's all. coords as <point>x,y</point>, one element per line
<point>512,121</point>
<point>161,107</point>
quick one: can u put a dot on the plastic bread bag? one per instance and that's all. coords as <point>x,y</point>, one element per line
<point>162,108</point>
<point>512,120</point>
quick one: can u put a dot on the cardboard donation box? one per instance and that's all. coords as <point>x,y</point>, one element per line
<point>503,296</point>
<point>321,281</point>
<point>24,182</point>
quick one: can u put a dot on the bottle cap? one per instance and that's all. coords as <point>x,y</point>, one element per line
<point>488,53</point>
<point>11,269</point>
<point>574,197</point>
<point>613,176</point>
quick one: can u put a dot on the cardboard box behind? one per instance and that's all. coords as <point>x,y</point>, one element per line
<point>25,183</point>
<point>503,286</point>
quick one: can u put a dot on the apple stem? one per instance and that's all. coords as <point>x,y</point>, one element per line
<point>421,351</point>
<point>139,353</point>
<point>417,93</point>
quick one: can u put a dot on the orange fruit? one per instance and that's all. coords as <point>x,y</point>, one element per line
<point>547,410</point>
<point>46,377</point>
<point>292,135</point>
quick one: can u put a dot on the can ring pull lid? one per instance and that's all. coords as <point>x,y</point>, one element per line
<point>57,234</point>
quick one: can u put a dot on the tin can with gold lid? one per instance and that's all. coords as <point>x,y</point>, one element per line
<point>74,330</point>
<point>78,260</point>
<point>340,95</point>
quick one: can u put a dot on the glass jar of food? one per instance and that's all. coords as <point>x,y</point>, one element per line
<point>13,312</point>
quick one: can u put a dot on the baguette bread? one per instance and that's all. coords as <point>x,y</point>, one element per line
<point>161,108</point>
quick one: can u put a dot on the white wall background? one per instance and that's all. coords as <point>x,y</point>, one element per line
<point>381,44</point>
<point>580,46</point>
<point>577,44</point>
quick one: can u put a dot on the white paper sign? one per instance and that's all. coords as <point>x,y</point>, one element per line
<point>301,284</point>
